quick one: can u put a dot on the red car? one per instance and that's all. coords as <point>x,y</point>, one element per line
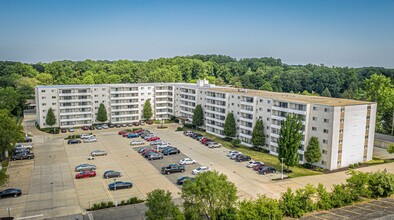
<point>258,166</point>
<point>153,139</point>
<point>204,140</point>
<point>122,132</point>
<point>126,133</point>
<point>63,130</point>
<point>86,173</point>
<point>85,128</point>
<point>138,131</point>
<point>136,123</point>
<point>148,150</point>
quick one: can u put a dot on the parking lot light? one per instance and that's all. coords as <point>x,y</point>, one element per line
<point>282,167</point>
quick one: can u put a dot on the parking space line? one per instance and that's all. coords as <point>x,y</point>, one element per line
<point>32,216</point>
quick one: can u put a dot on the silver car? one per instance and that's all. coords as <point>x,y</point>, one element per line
<point>83,167</point>
<point>98,153</point>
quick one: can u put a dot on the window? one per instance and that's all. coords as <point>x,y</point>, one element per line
<point>342,120</point>
<point>142,93</point>
<point>326,120</point>
<point>314,129</point>
<point>341,131</point>
<point>44,97</point>
<point>53,90</point>
<point>260,109</point>
<point>42,90</point>
<point>103,89</point>
<point>268,110</point>
<point>261,100</point>
<point>96,108</point>
<point>269,101</point>
<point>44,104</point>
<point>340,141</point>
<point>268,119</point>
<point>368,117</point>
<point>142,88</point>
<point>369,107</point>
<point>95,101</point>
<point>366,137</point>
<point>44,110</point>
<point>325,141</point>
<point>342,109</point>
<point>324,151</point>
<point>325,131</point>
<point>149,93</point>
<point>148,87</point>
<point>323,162</point>
<point>268,127</point>
<point>103,95</point>
<point>232,104</point>
<point>367,127</point>
<point>54,97</point>
<point>53,103</point>
<point>95,95</point>
<point>314,118</point>
<point>315,108</point>
<point>326,110</point>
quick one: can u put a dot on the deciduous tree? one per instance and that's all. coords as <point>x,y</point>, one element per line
<point>161,207</point>
<point>290,140</point>
<point>10,132</point>
<point>50,118</point>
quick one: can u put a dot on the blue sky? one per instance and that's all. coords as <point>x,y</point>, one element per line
<point>331,32</point>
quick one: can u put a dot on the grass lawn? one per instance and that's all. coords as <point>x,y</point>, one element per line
<point>3,175</point>
<point>260,156</point>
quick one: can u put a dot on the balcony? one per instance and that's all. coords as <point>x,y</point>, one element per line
<point>128,115</point>
<point>75,113</point>
<point>74,100</point>
<point>124,97</point>
<point>124,92</point>
<point>214,126</point>
<point>245,135</point>
<point>245,127</point>
<point>274,144</point>
<point>75,106</point>
<point>288,110</point>
<point>74,94</point>
<point>246,103</point>
<point>215,112</point>
<point>276,135</point>
<point>75,119</point>
<point>275,126</point>
<point>246,111</point>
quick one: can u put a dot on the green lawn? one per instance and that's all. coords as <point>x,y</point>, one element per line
<point>260,156</point>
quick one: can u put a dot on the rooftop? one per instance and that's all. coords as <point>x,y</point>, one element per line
<point>291,97</point>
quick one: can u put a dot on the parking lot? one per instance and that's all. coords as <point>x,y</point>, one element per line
<point>50,188</point>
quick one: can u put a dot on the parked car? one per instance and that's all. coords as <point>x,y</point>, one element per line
<point>126,133</point>
<point>90,139</point>
<point>91,127</point>
<point>24,146</point>
<point>153,139</point>
<point>11,192</point>
<point>123,131</point>
<point>124,125</point>
<point>235,155</point>
<point>183,179</point>
<point>166,148</point>
<point>266,169</point>
<point>86,173</point>
<point>73,141</point>
<point>111,125</point>
<point>118,125</point>
<point>148,136</point>
<point>71,130</point>
<point>142,123</point>
<point>232,152</point>
<point>158,142</point>
<point>173,168</point>
<point>199,138</point>
<point>257,167</point>
<point>204,140</point>
<point>252,164</point>
<point>136,123</point>
<point>129,124</point>
<point>98,153</point>
<point>132,135</point>
<point>162,146</point>
<point>187,133</point>
<point>25,155</point>
<point>85,128</point>
<point>138,131</point>
<point>155,156</point>
<point>147,151</point>
<point>83,167</point>
<point>21,150</point>
<point>200,170</point>
<point>171,151</point>
<point>83,136</point>
<point>136,143</point>
<point>120,185</point>
<point>214,145</point>
<point>111,174</point>
<point>147,154</point>
<point>242,157</point>
<point>186,161</point>
<point>208,142</point>
<point>105,126</point>
<point>98,127</point>
<point>63,130</point>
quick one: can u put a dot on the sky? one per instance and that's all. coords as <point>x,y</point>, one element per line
<point>350,33</point>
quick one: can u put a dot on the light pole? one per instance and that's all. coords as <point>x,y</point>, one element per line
<point>282,167</point>
<point>116,200</point>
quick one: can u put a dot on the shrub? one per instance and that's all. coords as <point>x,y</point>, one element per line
<point>261,208</point>
<point>179,129</point>
<point>123,202</point>
<point>296,205</point>
<point>189,125</point>
<point>351,166</point>
<point>236,142</point>
<point>95,207</point>
<point>341,196</point>
<point>381,184</point>
<point>134,200</point>
<point>324,201</point>
<point>103,205</point>
<point>357,184</point>
<point>355,165</point>
<point>110,204</point>
<point>176,120</point>
<point>227,139</point>
<point>360,164</point>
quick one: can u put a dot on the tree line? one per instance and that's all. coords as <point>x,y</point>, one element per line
<point>367,83</point>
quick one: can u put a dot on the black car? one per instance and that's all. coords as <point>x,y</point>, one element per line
<point>182,180</point>
<point>242,157</point>
<point>111,174</point>
<point>111,125</point>
<point>142,149</point>
<point>10,193</point>
<point>266,169</point>
<point>73,141</point>
<point>149,153</point>
<point>118,125</point>
<point>91,127</point>
<point>23,156</point>
<point>27,139</point>
<point>120,185</point>
<point>171,151</point>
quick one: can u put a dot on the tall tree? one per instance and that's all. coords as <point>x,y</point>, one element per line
<point>50,118</point>
<point>147,111</point>
<point>161,207</point>
<point>10,132</point>
<point>211,194</point>
<point>102,113</point>
<point>290,140</point>
<point>313,153</point>
<point>258,135</point>
<point>198,116</point>
<point>326,92</point>
<point>229,125</point>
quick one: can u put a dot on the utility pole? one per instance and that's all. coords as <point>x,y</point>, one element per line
<point>282,167</point>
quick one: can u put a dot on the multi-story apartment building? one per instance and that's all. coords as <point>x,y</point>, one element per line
<point>345,128</point>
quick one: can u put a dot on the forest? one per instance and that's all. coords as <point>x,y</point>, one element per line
<point>17,80</point>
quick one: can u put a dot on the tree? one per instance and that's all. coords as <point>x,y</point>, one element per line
<point>326,92</point>
<point>198,116</point>
<point>290,140</point>
<point>313,153</point>
<point>390,149</point>
<point>236,142</point>
<point>161,207</point>
<point>88,80</point>
<point>51,118</point>
<point>102,113</point>
<point>147,111</point>
<point>261,208</point>
<point>9,98</point>
<point>258,135</point>
<point>229,125</point>
<point>211,194</point>
<point>10,132</point>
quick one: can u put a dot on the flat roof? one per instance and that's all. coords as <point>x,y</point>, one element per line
<point>113,85</point>
<point>291,97</point>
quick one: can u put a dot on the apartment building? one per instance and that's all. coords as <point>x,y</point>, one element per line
<point>345,128</point>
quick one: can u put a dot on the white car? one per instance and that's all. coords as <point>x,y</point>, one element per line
<point>136,143</point>
<point>162,146</point>
<point>90,139</point>
<point>105,126</point>
<point>253,163</point>
<point>187,161</point>
<point>98,153</point>
<point>158,142</point>
<point>200,170</point>
<point>24,146</point>
<point>232,152</point>
<point>234,155</point>
<point>84,136</point>
<point>214,145</point>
